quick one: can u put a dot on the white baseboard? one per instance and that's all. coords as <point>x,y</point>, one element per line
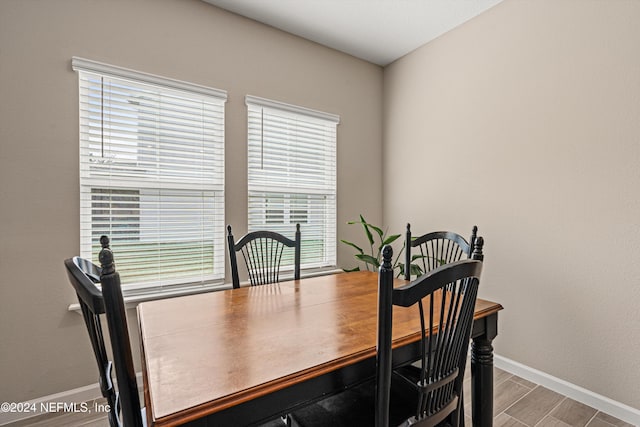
<point>582,395</point>
<point>39,406</point>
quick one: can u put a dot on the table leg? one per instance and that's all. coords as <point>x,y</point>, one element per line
<point>482,374</point>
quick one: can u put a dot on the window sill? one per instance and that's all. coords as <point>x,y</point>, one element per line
<point>132,301</point>
<point>320,272</point>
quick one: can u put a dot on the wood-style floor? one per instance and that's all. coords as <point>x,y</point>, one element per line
<point>517,403</point>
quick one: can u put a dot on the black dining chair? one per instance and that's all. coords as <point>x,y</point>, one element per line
<point>262,252</point>
<point>428,394</point>
<point>435,249</point>
<point>123,401</point>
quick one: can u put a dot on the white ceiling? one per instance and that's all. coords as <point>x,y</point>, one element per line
<point>378,31</point>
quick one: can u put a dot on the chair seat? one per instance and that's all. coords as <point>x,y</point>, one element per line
<point>356,407</point>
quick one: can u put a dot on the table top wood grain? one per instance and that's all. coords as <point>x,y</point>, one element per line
<point>204,353</point>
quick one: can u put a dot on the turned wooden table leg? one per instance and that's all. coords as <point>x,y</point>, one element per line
<point>482,374</point>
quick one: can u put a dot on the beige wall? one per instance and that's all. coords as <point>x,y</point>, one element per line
<point>44,348</point>
<point>526,122</point>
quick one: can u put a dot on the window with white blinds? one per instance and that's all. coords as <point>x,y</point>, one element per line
<point>292,176</point>
<point>152,176</point>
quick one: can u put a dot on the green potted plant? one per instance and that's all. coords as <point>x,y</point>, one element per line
<point>377,239</point>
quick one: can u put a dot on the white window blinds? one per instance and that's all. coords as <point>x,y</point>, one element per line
<point>151,176</point>
<point>292,176</point>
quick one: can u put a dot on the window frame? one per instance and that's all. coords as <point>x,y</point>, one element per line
<point>216,194</point>
<point>312,199</point>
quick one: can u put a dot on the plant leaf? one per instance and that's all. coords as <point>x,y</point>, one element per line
<point>400,268</point>
<point>415,257</point>
<point>368,259</point>
<point>366,229</point>
<point>356,247</point>
<point>350,270</point>
<point>416,270</point>
<point>390,239</point>
<point>377,230</point>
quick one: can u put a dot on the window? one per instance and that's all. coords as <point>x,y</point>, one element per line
<point>292,176</point>
<point>152,176</point>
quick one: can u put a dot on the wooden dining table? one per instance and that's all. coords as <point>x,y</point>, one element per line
<point>244,356</point>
